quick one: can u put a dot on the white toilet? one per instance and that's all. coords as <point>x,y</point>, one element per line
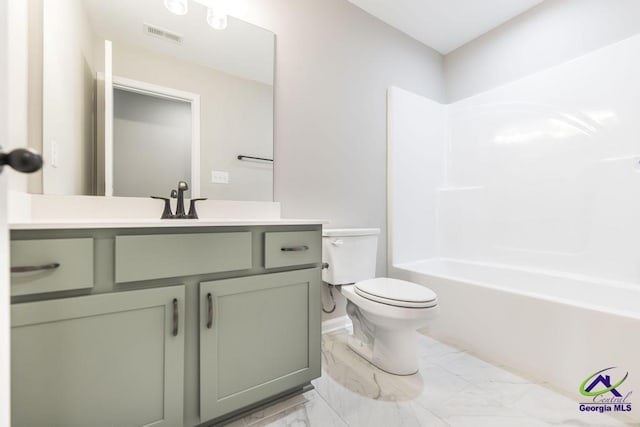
<point>385,312</point>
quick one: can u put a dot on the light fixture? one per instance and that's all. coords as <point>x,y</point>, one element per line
<point>216,19</point>
<point>216,16</point>
<point>179,7</point>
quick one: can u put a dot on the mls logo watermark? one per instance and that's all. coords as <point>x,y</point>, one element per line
<point>605,393</point>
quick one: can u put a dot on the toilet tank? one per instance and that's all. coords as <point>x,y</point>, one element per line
<point>350,253</point>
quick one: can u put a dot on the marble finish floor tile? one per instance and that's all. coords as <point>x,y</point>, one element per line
<point>307,409</point>
<point>452,388</point>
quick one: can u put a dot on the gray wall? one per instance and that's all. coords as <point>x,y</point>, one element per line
<point>151,144</point>
<point>334,63</point>
<point>549,34</point>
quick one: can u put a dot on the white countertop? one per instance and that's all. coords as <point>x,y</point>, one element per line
<point>158,223</point>
<point>46,212</point>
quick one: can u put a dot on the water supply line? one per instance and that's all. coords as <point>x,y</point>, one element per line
<point>332,309</point>
<point>325,265</point>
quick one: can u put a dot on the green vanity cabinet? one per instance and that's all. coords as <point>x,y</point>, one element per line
<point>259,336</point>
<point>175,326</point>
<point>101,360</point>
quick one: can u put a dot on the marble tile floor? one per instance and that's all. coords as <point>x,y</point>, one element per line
<point>453,388</point>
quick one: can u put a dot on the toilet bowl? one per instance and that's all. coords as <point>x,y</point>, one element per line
<point>384,326</point>
<point>385,312</point>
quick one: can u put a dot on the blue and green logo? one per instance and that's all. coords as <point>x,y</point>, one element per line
<point>605,380</point>
<point>605,393</point>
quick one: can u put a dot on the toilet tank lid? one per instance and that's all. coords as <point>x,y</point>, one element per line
<point>341,232</point>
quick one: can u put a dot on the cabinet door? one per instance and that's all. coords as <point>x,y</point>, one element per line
<point>102,360</point>
<point>259,336</point>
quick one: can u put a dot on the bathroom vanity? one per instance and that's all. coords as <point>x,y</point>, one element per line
<point>161,323</point>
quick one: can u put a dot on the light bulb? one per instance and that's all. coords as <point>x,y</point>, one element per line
<point>216,20</point>
<point>179,7</point>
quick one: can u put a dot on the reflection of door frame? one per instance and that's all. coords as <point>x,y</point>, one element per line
<point>145,88</point>
<point>6,30</point>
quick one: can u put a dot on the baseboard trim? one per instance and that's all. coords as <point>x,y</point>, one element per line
<point>335,324</point>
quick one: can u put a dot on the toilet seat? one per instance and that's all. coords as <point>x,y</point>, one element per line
<point>398,293</point>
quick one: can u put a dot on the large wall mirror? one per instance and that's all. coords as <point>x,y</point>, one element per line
<point>136,98</point>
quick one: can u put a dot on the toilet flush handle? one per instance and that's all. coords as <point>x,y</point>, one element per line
<point>337,242</point>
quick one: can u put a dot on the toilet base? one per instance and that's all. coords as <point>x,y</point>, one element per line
<point>391,351</point>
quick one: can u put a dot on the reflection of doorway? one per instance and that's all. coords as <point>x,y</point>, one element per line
<point>155,141</point>
<point>151,144</point>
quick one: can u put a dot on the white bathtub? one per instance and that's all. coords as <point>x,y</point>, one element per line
<point>552,327</point>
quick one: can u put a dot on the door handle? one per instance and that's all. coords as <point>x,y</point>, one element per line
<point>22,160</point>
<point>174,332</point>
<point>209,311</point>
<point>30,268</point>
<point>300,248</point>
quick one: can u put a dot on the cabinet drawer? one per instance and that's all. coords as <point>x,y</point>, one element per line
<point>289,248</point>
<point>172,255</point>
<point>75,269</point>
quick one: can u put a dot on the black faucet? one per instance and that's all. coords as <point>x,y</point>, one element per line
<point>166,213</point>
<point>182,187</point>
<point>180,213</point>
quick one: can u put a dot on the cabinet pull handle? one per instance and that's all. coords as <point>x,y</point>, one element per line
<point>30,268</point>
<point>295,248</point>
<point>209,311</point>
<point>175,318</point>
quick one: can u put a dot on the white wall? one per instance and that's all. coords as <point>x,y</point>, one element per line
<point>549,34</point>
<point>68,101</point>
<point>417,129</point>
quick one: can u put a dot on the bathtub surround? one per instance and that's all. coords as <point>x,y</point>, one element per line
<point>532,188</point>
<point>416,150</point>
<point>539,173</point>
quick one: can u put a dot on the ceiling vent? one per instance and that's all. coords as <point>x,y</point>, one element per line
<point>161,33</point>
